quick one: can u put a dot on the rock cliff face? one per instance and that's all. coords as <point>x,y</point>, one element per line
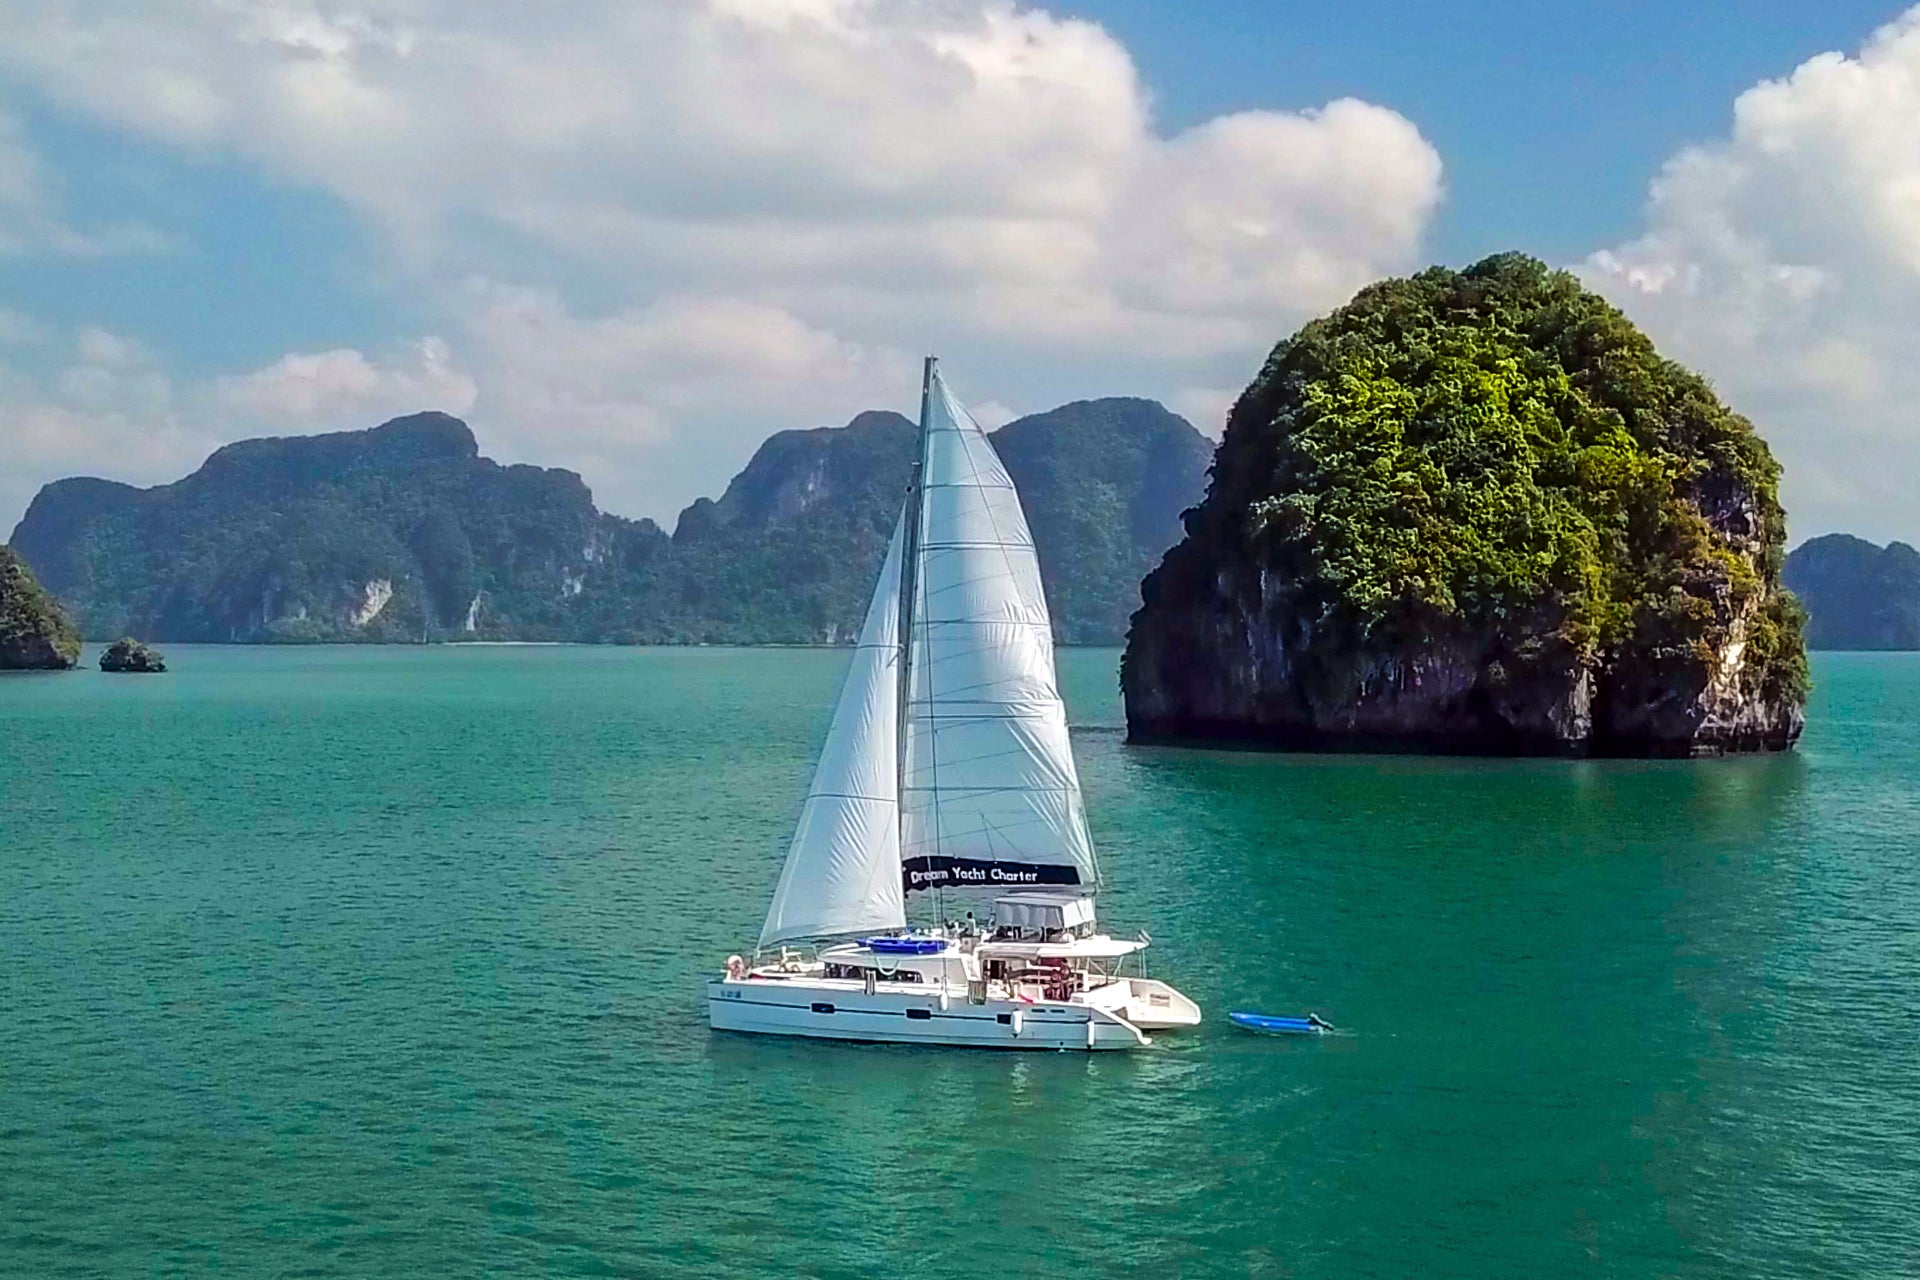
<point>1103,483</point>
<point>34,634</point>
<point>1476,512</point>
<point>794,475</point>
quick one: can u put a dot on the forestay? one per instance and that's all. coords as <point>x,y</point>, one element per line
<point>990,796</point>
<point>842,872</point>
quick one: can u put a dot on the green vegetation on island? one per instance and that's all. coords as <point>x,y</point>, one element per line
<point>35,634</point>
<point>1477,511</point>
<point>1858,596</point>
<point>405,533</point>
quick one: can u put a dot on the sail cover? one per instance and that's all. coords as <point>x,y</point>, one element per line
<point>842,871</point>
<point>990,797</point>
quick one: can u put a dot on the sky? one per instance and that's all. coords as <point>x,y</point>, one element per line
<point>635,237</point>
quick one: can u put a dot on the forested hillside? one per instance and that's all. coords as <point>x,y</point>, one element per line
<point>405,533</point>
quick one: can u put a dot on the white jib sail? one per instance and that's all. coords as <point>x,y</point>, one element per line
<point>991,796</point>
<point>842,873</point>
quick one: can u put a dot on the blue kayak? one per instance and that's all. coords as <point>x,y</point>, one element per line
<point>1311,1025</point>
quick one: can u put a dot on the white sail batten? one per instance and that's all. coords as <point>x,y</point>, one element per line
<point>842,873</point>
<point>990,797</point>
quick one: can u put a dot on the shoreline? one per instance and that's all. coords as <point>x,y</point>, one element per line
<point>527,644</point>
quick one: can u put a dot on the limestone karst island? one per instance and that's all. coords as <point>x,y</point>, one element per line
<point>1476,512</point>
<point>35,633</point>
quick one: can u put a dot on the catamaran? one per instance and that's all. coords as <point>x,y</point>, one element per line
<point>947,770</point>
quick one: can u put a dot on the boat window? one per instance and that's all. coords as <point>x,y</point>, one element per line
<point>919,1015</point>
<point>821,1006</point>
<point>1004,1019</point>
<point>861,973</point>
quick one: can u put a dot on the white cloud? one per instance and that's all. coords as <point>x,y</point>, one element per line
<point>1205,407</point>
<point>108,350</point>
<point>602,395</point>
<point>343,389</point>
<point>17,329</point>
<point>1784,260</point>
<point>788,196</point>
<point>850,158</point>
<point>23,215</point>
<point>992,414</point>
<point>1256,208</point>
<point>106,406</point>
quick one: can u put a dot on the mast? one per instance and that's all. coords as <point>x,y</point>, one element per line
<point>909,586</point>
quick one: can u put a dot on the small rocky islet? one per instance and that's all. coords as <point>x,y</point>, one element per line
<point>35,633</point>
<point>1476,512</point>
<point>127,655</point>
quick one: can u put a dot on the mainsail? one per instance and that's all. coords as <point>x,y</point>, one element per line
<point>989,794</point>
<point>963,777</point>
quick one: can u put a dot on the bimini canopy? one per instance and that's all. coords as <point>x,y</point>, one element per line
<point>1043,911</point>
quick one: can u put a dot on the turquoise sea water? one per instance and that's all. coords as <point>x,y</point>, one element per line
<point>358,962</point>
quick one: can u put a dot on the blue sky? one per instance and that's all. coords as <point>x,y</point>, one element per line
<point>314,215</point>
<point>1596,95</point>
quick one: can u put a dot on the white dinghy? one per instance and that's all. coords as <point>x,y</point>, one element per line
<point>948,771</point>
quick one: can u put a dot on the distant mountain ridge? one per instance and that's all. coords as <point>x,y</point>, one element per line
<point>388,534</point>
<point>405,533</point>
<point>1857,595</point>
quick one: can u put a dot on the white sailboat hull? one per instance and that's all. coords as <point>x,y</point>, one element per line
<point>827,1010</point>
